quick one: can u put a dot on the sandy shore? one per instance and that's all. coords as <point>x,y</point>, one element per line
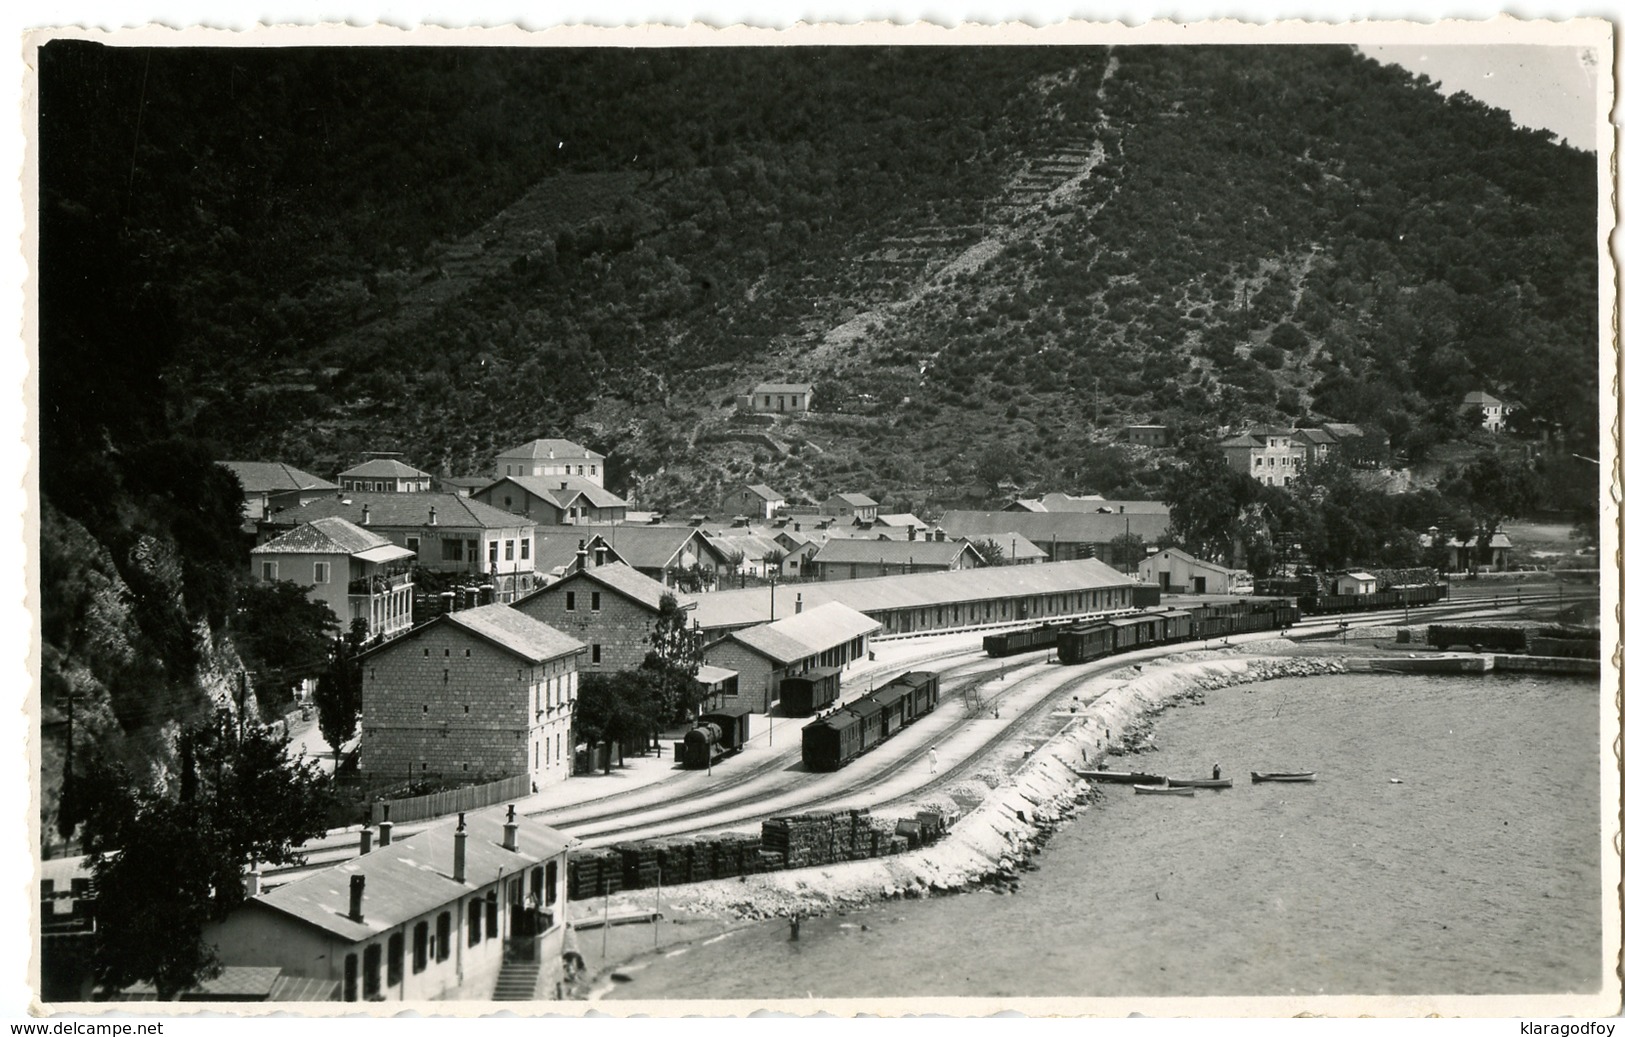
<point>992,842</point>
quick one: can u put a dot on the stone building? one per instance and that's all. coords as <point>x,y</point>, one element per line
<point>481,694</point>
<point>442,915</point>
<point>610,608</point>
<point>829,635</point>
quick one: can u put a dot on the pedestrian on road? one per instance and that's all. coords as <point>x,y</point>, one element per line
<point>933,759</point>
<point>1215,772</point>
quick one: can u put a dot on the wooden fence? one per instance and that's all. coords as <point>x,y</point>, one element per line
<point>439,804</point>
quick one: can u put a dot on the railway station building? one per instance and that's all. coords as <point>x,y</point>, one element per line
<point>445,914</point>
<point>830,635</point>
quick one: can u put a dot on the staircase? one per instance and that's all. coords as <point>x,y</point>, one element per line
<point>517,981</point>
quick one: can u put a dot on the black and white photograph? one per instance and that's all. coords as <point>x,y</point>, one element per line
<point>1068,519</point>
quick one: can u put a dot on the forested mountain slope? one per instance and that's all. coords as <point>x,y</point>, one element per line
<point>974,253</point>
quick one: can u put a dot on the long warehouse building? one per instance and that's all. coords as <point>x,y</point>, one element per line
<point>927,602</point>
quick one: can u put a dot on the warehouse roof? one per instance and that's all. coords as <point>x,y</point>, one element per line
<point>807,633</point>
<point>1063,526</point>
<point>727,610</point>
<point>900,553</point>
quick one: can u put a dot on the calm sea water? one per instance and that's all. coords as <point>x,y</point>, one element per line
<point>1477,873</point>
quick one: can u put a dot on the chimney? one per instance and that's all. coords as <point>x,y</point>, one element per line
<point>366,841</point>
<point>358,885</point>
<point>798,603</point>
<point>366,514</point>
<point>432,520</point>
<point>386,828</point>
<point>581,555</point>
<point>459,849</point>
<point>510,831</point>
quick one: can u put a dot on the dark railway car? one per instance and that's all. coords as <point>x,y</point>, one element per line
<point>922,692</point>
<point>1027,639</point>
<point>828,742</point>
<point>892,698</point>
<point>1080,644</point>
<point>871,722</point>
<point>806,693</point>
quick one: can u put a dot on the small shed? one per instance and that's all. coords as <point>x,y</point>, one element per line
<point>1357,583</point>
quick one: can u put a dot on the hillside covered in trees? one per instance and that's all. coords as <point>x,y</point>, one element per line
<point>985,259</point>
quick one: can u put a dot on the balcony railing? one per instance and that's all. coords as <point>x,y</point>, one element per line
<point>380,584</point>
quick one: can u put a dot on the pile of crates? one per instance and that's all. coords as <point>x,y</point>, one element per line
<point>594,873</point>
<point>806,840</point>
<point>640,865</point>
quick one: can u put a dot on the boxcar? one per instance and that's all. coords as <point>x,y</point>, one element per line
<point>1178,625</point>
<point>1080,644</point>
<point>922,697</point>
<point>830,741</point>
<point>1133,632</point>
<point>806,693</point>
<point>1027,639</point>
<point>892,698</point>
<point>871,722</point>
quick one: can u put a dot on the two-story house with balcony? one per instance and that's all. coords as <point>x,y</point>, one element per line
<point>449,534</point>
<point>551,459</point>
<point>559,501</point>
<point>357,573</point>
<point>611,608</point>
<point>476,695</point>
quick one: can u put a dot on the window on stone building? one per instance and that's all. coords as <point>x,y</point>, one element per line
<point>323,572</point>
<point>596,659</point>
<point>451,550</point>
<point>268,571</point>
<point>569,601</point>
<point>349,977</point>
<point>372,971</point>
<point>412,544</point>
<point>596,602</point>
<point>493,554</point>
<point>397,959</point>
<point>524,549</point>
<point>491,927</point>
<point>507,550</point>
<point>442,936</point>
<point>476,915</point>
<point>420,947</point>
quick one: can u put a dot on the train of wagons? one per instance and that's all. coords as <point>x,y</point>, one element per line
<point>844,734</point>
<point>1214,619</point>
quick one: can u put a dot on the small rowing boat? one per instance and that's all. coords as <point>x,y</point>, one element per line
<point>1164,790</point>
<point>1200,783</point>
<point>1259,776</point>
<point>1123,777</point>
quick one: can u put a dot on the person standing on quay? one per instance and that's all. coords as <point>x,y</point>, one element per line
<point>933,758</point>
<point>1215,772</point>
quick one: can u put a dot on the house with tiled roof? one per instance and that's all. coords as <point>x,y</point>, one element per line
<point>850,505</point>
<point>359,574</point>
<point>385,475</point>
<point>847,559</point>
<point>663,552</point>
<point>830,635</point>
<point>449,534</point>
<point>550,459</point>
<point>472,696</point>
<point>758,501</point>
<point>1065,535</point>
<point>781,397</point>
<point>560,501</point>
<point>610,608</point>
<point>430,917</point>
<point>270,486</point>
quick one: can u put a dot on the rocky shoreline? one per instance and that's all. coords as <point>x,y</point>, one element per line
<point>995,841</point>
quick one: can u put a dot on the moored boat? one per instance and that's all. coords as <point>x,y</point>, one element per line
<point>1164,790</point>
<point>1123,777</point>
<point>1259,776</point>
<point>1201,783</point>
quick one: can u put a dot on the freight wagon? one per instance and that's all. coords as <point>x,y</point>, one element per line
<point>1027,639</point>
<point>1392,598</point>
<point>807,693</point>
